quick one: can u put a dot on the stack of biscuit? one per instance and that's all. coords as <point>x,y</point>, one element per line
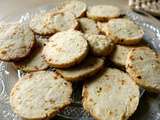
<point>77,41</point>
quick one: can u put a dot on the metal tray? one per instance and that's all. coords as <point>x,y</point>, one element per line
<point>149,107</point>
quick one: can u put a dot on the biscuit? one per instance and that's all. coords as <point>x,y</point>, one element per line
<point>111,95</point>
<point>76,7</point>
<point>40,95</point>
<point>100,45</point>
<point>33,62</point>
<point>65,21</point>
<point>103,12</point>
<point>43,24</point>
<point>88,26</point>
<point>90,66</point>
<point>123,31</point>
<point>119,55</point>
<point>143,65</point>
<point>16,41</point>
<point>65,49</point>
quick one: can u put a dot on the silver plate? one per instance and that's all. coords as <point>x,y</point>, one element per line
<point>9,75</point>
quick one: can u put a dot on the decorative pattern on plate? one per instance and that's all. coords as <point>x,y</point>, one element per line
<point>75,111</point>
<point>5,110</point>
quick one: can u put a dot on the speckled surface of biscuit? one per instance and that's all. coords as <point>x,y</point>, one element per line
<point>100,45</point>
<point>111,95</point>
<point>103,12</point>
<point>35,61</point>
<point>123,31</point>
<point>40,95</point>
<point>16,41</point>
<point>88,26</point>
<point>119,55</point>
<point>65,49</point>
<point>76,7</point>
<point>43,24</point>
<point>90,66</point>
<point>65,21</point>
<point>143,65</point>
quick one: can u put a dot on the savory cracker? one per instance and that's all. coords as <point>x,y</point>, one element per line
<point>43,24</point>
<point>16,41</point>
<point>119,55</point>
<point>143,65</point>
<point>33,62</point>
<point>65,21</point>
<point>90,66</point>
<point>65,49</point>
<point>40,95</point>
<point>123,31</point>
<point>103,12</point>
<point>100,45</point>
<point>88,26</point>
<point>76,7</point>
<point>111,95</point>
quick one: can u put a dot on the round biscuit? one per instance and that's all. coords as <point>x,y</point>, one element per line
<point>103,12</point>
<point>40,95</point>
<point>90,66</point>
<point>43,24</point>
<point>111,95</point>
<point>76,7</point>
<point>33,62</point>
<point>65,21</point>
<point>88,26</point>
<point>119,55</point>
<point>100,45</point>
<point>123,31</point>
<point>143,65</point>
<point>16,41</point>
<point>65,49</point>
